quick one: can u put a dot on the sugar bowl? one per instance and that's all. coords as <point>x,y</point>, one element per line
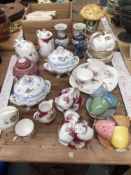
<point>30,90</point>
<point>61,61</point>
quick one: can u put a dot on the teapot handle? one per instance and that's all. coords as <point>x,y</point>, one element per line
<point>13,100</point>
<point>76,58</point>
<point>36,116</point>
<point>48,85</point>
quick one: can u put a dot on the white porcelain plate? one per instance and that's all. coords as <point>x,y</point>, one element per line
<point>109,82</point>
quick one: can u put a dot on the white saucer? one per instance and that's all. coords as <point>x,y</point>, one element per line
<point>109,82</point>
<point>105,60</point>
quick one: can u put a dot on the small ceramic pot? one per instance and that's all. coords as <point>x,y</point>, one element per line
<point>24,129</point>
<point>45,113</point>
<point>23,67</point>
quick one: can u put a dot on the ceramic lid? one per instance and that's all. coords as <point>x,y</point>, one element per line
<point>29,87</point>
<point>61,58</point>
<point>44,34</point>
<point>23,63</point>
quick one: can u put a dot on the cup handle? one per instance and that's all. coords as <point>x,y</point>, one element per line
<point>52,111</point>
<point>0,131</point>
<point>15,138</point>
<point>48,85</point>
<point>36,116</point>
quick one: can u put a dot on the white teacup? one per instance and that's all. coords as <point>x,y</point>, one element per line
<point>45,113</point>
<point>83,75</point>
<point>24,129</point>
<point>102,42</point>
<point>98,68</point>
<point>98,43</point>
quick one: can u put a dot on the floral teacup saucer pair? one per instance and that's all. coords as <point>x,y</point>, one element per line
<point>108,79</point>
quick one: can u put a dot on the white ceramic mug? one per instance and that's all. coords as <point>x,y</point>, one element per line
<point>24,129</point>
<point>45,113</point>
<point>98,68</point>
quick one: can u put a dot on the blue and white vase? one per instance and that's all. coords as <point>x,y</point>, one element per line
<point>79,39</point>
<point>61,37</point>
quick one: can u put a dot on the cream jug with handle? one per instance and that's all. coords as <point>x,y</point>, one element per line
<point>46,42</point>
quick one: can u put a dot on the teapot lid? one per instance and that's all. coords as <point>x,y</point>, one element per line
<point>62,52</point>
<point>60,57</point>
<point>23,63</point>
<point>44,34</point>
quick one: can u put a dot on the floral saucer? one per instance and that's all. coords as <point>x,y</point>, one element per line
<point>109,82</point>
<point>105,60</point>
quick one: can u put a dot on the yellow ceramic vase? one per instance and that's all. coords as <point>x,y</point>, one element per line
<point>120,137</point>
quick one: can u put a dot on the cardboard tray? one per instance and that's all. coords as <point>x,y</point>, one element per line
<point>63,15</point>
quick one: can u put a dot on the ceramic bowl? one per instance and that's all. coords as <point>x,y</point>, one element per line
<point>9,115</point>
<point>23,67</point>
<point>113,133</point>
<point>61,61</point>
<point>24,129</point>
<point>30,90</point>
